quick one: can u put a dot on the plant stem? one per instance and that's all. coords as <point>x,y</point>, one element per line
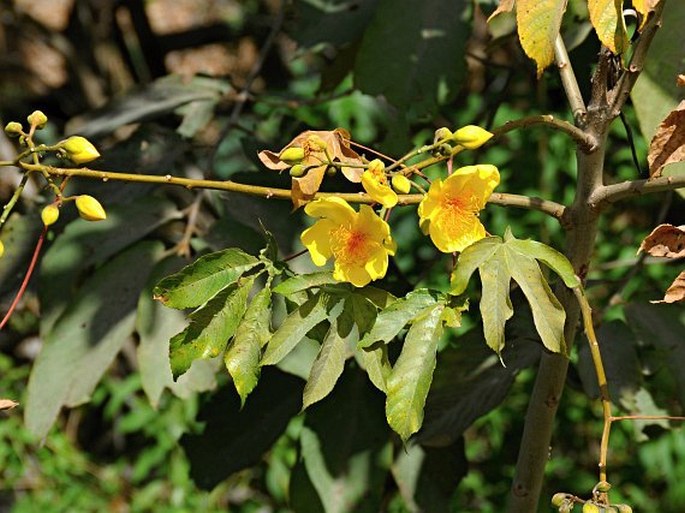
<point>7,209</point>
<point>618,191</point>
<point>579,136</point>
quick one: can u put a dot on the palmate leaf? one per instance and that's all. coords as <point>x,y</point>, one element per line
<point>210,327</point>
<point>500,261</point>
<point>196,283</point>
<point>242,355</point>
<point>410,379</point>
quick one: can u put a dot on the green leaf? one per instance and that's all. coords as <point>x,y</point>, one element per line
<point>412,374</point>
<point>495,305</point>
<point>210,327</point>
<point>330,362</point>
<point>390,321</point>
<point>333,22</point>
<point>242,356</point>
<point>236,438</point>
<point>410,49</point>
<point>196,283</point>
<point>374,360</point>
<point>86,338</point>
<point>550,257</point>
<point>303,282</point>
<point>296,326</point>
<point>471,259</point>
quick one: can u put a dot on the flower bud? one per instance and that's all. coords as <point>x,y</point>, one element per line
<point>13,129</point>
<point>2,249</point>
<point>471,137</point>
<point>558,499</point>
<point>590,507</point>
<point>317,142</point>
<point>297,171</point>
<point>90,209</point>
<point>38,119</point>
<point>49,214</point>
<point>79,149</point>
<point>331,170</point>
<point>442,134</point>
<point>603,487</point>
<point>623,508</point>
<point>293,155</point>
<point>401,184</point>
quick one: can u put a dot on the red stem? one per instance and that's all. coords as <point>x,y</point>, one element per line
<point>27,277</point>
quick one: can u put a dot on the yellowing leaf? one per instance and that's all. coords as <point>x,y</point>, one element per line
<point>606,17</point>
<point>538,26</point>
<point>644,7</point>
<point>668,144</point>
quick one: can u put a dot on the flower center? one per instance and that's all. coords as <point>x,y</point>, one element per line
<point>350,246</point>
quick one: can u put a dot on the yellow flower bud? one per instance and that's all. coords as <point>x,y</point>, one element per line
<point>13,129</point>
<point>90,209</point>
<point>49,214</point>
<point>317,142</point>
<point>471,137</point>
<point>293,155</point>
<point>590,507</point>
<point>2,249</point>
<point>441,134</point>
<point>297,170</point>
<point>38,119</point>
<point>401,184</point>
<point>79,149</point>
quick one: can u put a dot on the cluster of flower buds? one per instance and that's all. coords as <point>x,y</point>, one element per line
<point>565,502</point>
<point>88,208</point>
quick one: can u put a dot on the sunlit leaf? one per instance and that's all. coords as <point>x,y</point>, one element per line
<point>304,281</point>
<point>548,256</point>
<point>374,360</point>
<point>196,283</point>
<point>390,321</point>
<point>495,305</point>
<point>242,355</point>
<point>538,26</point>
<point>412,374</point>
<point>606,17</point>
<point>210,327</point>
<point>471,259</point>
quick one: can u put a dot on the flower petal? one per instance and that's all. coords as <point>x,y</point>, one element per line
<point>381,193</point>
<point>317,241</point>
<point>452,233</point>
<point>333,208</point>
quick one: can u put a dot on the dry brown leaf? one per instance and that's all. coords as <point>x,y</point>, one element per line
<point>680,81</point>
<point>668,143</point>
<point>338,148</point>
<point>7,404</point>
<point>504,6</point>
<point>665,240</point>
<point>676,292</point>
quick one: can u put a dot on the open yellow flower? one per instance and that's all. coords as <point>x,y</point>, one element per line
<point>359,242</point>
<point>375,183</point>
<point>449,211</point>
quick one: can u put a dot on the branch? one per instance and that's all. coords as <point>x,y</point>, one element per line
<point>585,141</point>
<point>619,95</point>
<point>548,207</point>
<point>568,80</point>
<point>618,191</point>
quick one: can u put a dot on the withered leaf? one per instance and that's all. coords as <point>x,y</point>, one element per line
<point>315,161</point>
<point>7,404</point>
<point>504,6</point>
<point>668,143</point>
<point>676,292</point>
<point>665,240</point>
<point>680,81</point>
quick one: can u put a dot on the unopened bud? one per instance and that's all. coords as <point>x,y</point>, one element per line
<point>79,149</point>
<point>442,134</point>
<point>558,499</point>
<point>471,137</point>
<point>13,129</point>
<point>90,209</point>
<point>38,119</point>
<point>292,155</point>
<point>603,486</point>
<point>624,508</point>
<point>49,215</point>
<point>297,171</point>
<point>401,184</point>
<point>331,170</point>
<point>317,142</point>
<point>590,507</point>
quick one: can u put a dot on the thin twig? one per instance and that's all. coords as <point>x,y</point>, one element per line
<point>585,141</point>
<point>618,191</point>
<point>568,80</point>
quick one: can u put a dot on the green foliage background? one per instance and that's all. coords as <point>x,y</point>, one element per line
<point>133,439</point>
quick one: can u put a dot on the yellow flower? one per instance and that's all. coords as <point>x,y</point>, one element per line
<point>449,211</point>
<point>375,183</point>
<point>360,242</point>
